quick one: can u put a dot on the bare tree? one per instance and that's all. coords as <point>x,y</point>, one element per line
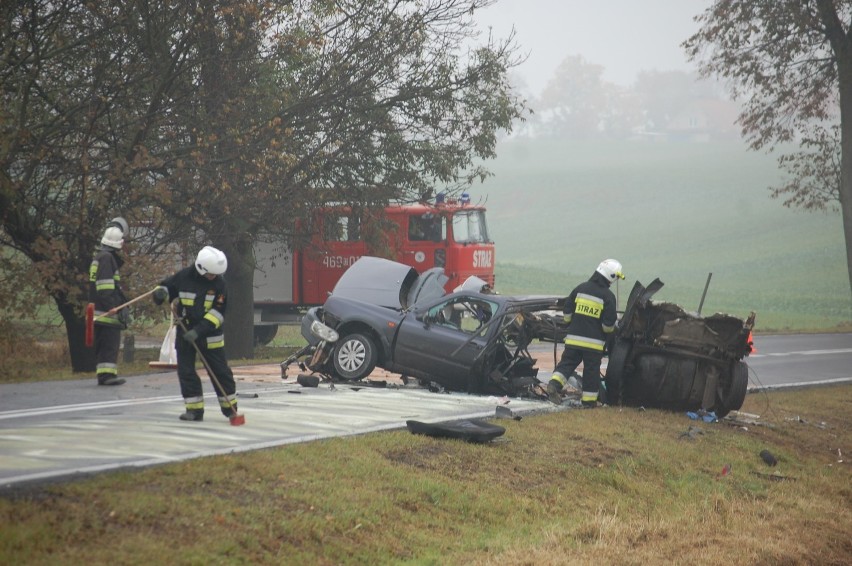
<point>218,121</point>
<point>791,63</point>
<point>81,85</point>
<point>299,105</point>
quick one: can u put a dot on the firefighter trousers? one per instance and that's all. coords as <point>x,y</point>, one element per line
<point>107,344</point>
<point>571,358</point>
<point>190,383</point>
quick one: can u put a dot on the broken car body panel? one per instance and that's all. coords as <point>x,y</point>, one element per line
<point>389,284</point>
<point>665,357</point>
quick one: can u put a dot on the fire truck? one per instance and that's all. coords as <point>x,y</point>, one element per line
<point>448,233</point>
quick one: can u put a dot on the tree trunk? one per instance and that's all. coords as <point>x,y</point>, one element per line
<point>844,67</point>
<point>239,318</point>
<point>82,357</point>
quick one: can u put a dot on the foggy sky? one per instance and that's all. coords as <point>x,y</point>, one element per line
<point>624,36</point>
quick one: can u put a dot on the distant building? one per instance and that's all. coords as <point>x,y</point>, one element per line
<point>704,119</point>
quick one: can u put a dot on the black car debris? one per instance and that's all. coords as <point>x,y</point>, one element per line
<point>665,357</point>
<point>384,314</point>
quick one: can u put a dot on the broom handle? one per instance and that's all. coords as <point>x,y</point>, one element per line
<point>128,303</point>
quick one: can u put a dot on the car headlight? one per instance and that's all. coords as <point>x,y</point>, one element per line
<point>324,332</point>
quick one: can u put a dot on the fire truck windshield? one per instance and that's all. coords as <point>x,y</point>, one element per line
<point>469,227</point>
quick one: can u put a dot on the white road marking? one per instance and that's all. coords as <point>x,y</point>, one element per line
<point>805,353</point>
<point>801,383</point>
<point>41,411</point>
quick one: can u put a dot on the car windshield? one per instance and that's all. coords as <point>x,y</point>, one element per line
<point>469,227</point>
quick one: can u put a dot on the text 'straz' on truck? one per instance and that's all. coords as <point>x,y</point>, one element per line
<point>449,233</point>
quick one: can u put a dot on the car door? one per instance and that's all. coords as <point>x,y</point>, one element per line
<point>434,339</point>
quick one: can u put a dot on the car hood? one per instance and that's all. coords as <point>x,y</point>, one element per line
<point>389,284</point>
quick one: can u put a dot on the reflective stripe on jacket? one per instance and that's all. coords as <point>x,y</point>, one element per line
<point>105,286</point>
<point>591,313</point>
<point>201,305</point>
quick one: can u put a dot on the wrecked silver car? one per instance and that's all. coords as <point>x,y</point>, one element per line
<point>384,314</point>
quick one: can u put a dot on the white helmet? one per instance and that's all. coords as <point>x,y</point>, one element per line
<point>119,223</point>
<point>113,237</point>
<point>610,269</point>
<point>211,260</point>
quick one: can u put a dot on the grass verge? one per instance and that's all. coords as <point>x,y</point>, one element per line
<point>607,486</point>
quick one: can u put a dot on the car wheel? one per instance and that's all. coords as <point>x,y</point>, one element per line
<point>263,334</point>
<point>354,356</point>
<point>732,398</point>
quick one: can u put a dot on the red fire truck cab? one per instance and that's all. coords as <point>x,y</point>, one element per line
<point>449,233</point>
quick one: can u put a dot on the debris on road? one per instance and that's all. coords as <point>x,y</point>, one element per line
<point>502,412</point>
<point>308,380</point>
<point>691,433</point>
<point>774,476</point>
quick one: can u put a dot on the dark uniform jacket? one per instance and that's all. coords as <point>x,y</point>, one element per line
<point>591,313</point>
<point>105,287</point>
<point>202,303</point>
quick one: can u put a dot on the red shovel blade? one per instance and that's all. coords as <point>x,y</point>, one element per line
<point>90,324</point>
<point>237,420</point>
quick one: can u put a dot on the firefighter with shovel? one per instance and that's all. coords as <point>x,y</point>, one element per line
<point>198,296</point>
<point>107,316</point>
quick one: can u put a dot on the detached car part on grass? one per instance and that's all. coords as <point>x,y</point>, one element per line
<point>387,315</point>
<point>664,357</point>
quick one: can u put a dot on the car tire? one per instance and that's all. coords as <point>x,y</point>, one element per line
<point>732,398</point>
<point>263,334</point>
<point>354,356</point>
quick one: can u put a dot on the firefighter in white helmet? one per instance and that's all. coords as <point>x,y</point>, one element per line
<point>202,296</point>
<point>120,223</point>
<point>106,294</point>
<point>590,311</point>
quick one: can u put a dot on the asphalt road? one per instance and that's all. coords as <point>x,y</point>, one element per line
<point>785,361</point>
<point>61,430</point>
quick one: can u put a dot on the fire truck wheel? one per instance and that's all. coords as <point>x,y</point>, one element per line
<point>354,356</point>
<point>264,334</point>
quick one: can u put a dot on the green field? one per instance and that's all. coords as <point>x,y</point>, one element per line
<point>677,211</point>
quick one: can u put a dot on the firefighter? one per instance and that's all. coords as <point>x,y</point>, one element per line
<point>202,296</point>
<point>106,294</point>
<point>590,311</point>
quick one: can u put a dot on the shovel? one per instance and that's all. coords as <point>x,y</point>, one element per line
<point>91,318</point>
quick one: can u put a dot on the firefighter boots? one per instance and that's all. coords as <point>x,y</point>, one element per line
<point>230,410</point>
<point>110,380</point>
<point>553,391</point>
<point>193,415</point>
